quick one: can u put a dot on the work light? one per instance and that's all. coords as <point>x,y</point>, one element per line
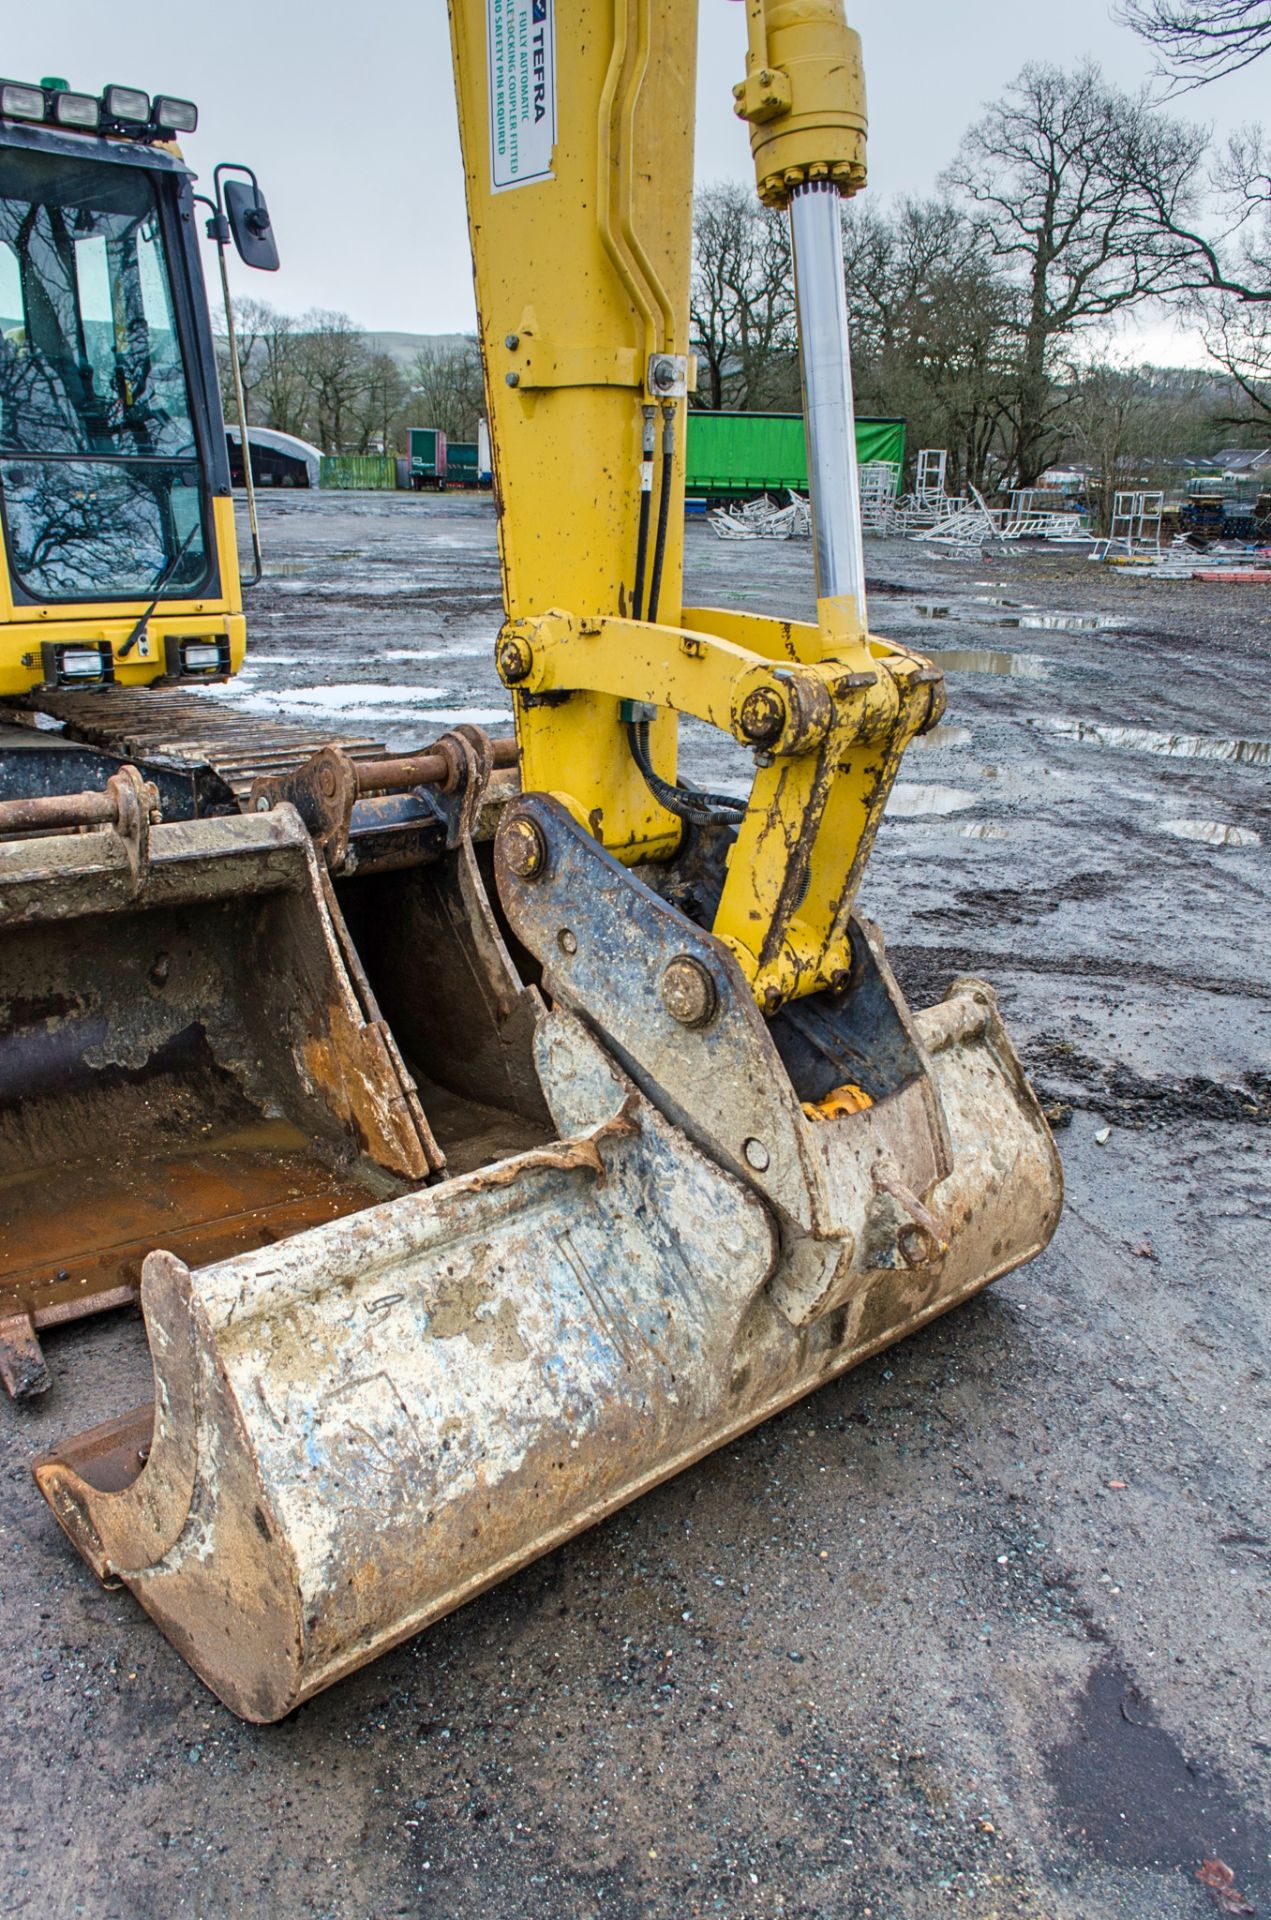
<point>80,663</point>
<point>18,102</point>
<point>126,105</point>
<point>201,656</point>
<point>174,116</point>
<point>77,110</point>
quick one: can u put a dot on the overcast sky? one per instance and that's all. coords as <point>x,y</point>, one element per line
<point>347,113</point>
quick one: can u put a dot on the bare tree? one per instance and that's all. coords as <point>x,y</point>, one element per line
<point>447,387</point>
<point>933,328</point>
<point>1068,178</point>
<point>381,404</point>
<point>1106,407</point>
<point>1238,338</point>
<point>270,353</point>
<point>741,306</point>
<point>1201,40</point>
<point>1233,262</point>
<point>251,319</point>
<point>333,359</point>
<point>279,396</point>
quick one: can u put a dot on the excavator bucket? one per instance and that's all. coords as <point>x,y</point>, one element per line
<point>186,1059</point>
<point>386,1391</point>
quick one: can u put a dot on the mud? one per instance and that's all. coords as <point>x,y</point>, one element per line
<point>978,1631</point>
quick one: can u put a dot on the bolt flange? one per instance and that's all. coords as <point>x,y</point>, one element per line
<point>762,716</point>
<point>515,661</point>
<point>689,993</point>
<point>523,848</point>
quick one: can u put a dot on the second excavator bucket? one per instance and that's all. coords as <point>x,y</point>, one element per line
<point>187,1059</point>
<point>650,1235</point>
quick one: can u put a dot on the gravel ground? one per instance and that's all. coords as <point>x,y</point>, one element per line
<point>979,1631</point>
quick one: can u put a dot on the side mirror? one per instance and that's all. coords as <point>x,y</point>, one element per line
<point>250,225</point>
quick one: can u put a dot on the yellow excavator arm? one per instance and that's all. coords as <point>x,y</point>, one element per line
<point>577,126</point>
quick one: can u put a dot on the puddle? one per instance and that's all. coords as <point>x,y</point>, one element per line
<point>366,586</point>
<point>912,802</point>
<point>1127,1794</point>
<point>1183,746</point>
<point>983,830</point>
<point>1212,833</point>
<point>1016,666</point>
<point>404,710</point>
<point>943,737</point>
<point>1026,617</point>
<point>943,830</point>
<point>485,651</point>
<point>1067,622</point>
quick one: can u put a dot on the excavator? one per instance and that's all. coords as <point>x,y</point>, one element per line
<point>492,1131</point>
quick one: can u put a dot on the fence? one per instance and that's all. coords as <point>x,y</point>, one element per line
<point>358,472</point>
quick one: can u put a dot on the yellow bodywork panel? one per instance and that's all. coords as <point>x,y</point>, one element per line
<point>570,309</point>
<point>25,630</point>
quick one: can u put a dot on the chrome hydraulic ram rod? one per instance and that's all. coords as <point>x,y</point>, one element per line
<point>828,405</point>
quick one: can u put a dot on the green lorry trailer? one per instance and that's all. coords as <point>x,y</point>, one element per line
<point>735,456</point>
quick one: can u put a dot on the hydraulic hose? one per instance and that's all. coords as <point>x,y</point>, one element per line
<point>686,803</point>
<point>646,494</point>
<point>664,506</point>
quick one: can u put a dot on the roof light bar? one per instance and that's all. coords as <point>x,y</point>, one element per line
<point>127,106</point>
<point>19,102</point>
<point>174,116</point>
<point>120,109</point>
<point>79,110</point>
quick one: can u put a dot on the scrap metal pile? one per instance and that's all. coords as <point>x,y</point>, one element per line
<point>764,519</point>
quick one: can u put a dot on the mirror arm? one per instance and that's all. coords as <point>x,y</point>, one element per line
<point>239,166</point>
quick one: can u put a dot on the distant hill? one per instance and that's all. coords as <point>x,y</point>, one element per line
<point>404,346</point>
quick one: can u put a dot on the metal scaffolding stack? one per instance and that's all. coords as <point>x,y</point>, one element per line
<point>1135,529</point>
<point>879,480</point>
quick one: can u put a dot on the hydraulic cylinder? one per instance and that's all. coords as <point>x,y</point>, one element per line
<point>828,406</point>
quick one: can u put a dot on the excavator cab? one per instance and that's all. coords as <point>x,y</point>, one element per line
<point>498,1129</point>
<point>120,563</point>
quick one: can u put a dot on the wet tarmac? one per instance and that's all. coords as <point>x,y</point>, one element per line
<point>979,1631</point>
